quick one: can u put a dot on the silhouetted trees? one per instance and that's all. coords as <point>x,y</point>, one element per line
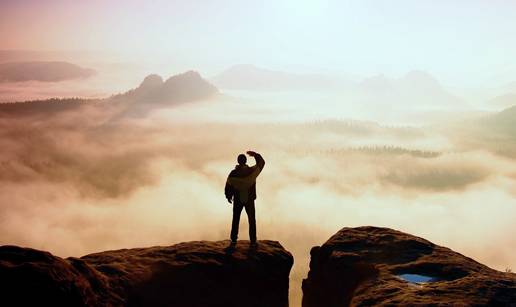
<point>52,105</point>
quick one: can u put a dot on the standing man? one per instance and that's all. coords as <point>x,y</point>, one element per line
<point>241,189</point>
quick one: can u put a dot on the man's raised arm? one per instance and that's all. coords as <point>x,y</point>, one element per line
<point>260,162</point>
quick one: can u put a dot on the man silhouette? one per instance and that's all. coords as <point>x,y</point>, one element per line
<point>241,189</point>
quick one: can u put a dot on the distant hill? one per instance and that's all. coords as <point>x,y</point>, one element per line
<point>495,132</point>
<point>416,88</point>
<point>250,77</point>
<point>506,100</point>
<point>508,114</point>
<point>42,71</point>
<point>152,93</point>
<point>185,87</point>
<point>503,122</point>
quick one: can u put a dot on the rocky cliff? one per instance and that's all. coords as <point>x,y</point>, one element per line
<point>371,266</point>
<point>186,87</point>
<point>187,274</point>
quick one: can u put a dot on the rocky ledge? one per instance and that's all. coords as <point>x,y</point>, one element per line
<point>371,266</point>
<point>187,274</point>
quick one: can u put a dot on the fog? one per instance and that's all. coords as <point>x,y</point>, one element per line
<point>88,180</point>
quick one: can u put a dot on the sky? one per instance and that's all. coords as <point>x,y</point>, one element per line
<point>461,42</point>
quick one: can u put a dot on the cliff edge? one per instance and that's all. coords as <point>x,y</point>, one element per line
<point>373,266</point>
<point>193,274</point>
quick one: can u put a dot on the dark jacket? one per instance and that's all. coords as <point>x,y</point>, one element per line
<point>241,182</point>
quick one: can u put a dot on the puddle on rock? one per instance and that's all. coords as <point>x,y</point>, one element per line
<point>417,278</point>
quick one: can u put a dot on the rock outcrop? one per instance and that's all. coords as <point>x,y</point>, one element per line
<point>186,87</point>
<point>187,274</point>
<point>42,71</point>
<point>371,266</point>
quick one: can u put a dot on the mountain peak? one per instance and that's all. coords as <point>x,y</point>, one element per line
<point>184,87</point>
<point>190,75</point>
<point>151,81</point>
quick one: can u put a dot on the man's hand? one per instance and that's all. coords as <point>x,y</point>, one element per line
<point>251,153</point>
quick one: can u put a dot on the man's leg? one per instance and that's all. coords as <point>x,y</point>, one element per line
<point>249,209</point>
<point>237,209</point>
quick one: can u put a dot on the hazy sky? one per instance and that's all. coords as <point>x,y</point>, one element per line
<point>462,42</point>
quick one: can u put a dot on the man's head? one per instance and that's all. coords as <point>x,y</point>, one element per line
<point>242,159</point>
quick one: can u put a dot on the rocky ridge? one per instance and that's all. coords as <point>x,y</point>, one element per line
<point>373,266</point>
<point>197,273</point>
